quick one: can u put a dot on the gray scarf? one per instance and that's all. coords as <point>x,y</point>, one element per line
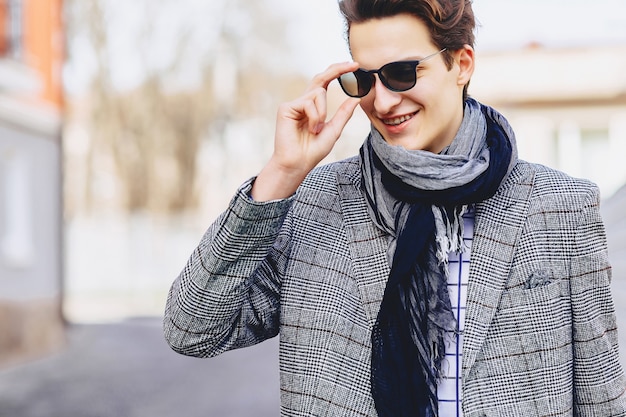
<point>483,135</point>
<point>462,161</point>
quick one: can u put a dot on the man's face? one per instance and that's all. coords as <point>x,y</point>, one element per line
<point>427,116</point>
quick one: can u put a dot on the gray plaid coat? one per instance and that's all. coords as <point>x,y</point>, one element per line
<point>540,329</point>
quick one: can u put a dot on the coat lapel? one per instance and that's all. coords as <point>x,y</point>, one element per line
<point>367,245</point>
<point>498,226</point>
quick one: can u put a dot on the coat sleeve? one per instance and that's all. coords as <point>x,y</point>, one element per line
<point>599,383</point>
<point>228,294</point>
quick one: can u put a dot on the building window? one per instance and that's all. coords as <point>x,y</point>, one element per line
<point>11,28</point>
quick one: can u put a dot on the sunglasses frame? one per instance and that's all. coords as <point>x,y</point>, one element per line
<point>383,79</point>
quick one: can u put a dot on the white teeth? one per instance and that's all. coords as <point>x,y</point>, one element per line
<point>397,120</point>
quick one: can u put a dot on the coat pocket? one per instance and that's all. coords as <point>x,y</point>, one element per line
<point>541,292</point>
<point>534,326</point>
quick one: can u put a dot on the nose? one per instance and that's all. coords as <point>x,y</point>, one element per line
<point>385,100</point>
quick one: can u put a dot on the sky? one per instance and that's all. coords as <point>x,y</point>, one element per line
<point>315,30</point>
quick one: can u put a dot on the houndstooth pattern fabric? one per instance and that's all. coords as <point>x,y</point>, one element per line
<point>540,335</point>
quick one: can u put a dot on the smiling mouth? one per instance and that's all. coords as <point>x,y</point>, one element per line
<point>398,120</point>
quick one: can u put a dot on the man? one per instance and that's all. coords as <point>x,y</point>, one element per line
<point>363,266</point>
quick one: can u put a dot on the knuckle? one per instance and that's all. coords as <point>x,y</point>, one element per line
<point>319,78</point>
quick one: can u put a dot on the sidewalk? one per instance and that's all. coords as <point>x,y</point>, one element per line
<point>127,370</point>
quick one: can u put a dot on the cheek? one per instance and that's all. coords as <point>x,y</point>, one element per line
<point>367,104</point>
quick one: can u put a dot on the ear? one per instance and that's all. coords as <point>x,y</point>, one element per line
<point>465,60</point>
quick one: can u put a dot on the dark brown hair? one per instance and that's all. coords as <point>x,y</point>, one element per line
<point>450,22</point>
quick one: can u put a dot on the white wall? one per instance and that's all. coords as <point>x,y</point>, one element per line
<point>30,215</point>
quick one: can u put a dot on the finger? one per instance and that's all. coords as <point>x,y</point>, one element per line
<point>323,79</point>
<point>304,108</point>
<point>315,121</point>
<point>313,109</point>
<point>343,115</point>
<point>321,107</point>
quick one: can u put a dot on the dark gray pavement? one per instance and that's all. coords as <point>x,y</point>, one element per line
<point>127,370</point>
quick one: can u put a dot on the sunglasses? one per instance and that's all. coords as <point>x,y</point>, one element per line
<point>396,76</point>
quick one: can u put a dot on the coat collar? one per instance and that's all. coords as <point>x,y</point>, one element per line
<point>498,225</point>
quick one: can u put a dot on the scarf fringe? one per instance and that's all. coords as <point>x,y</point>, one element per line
<point>449,233</point>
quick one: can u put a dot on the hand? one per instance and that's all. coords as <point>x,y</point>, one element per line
<point>303,136</point>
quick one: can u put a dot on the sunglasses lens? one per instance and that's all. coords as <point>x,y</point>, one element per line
<point>356,84</point>
<point>399,76</point>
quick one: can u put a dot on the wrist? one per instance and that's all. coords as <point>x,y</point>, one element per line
<point>276,182</point>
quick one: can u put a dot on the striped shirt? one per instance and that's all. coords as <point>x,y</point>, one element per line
<point>449,388</point>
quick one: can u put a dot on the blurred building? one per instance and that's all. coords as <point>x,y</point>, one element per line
<point>31,55</point>
<point>567,106</point>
